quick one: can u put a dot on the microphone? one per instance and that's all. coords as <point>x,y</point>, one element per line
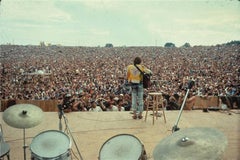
<point>190,84</point>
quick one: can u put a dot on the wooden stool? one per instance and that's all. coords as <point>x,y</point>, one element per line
<point>156,99</point>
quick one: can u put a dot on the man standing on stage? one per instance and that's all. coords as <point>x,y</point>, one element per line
<point>135,80</point>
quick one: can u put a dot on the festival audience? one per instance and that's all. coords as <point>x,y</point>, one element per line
<point>87,73</point>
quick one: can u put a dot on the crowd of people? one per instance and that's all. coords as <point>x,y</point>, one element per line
<point>92,75</point>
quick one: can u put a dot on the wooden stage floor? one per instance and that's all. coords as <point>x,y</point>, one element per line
<point>91,130</point>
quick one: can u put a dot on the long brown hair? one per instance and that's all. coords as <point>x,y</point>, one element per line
<point>137,60</point>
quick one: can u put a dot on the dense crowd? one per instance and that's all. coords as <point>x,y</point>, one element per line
<point>99,73</point>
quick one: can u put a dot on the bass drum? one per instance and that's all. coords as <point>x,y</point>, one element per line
<point>122,147</point>
<point>50,145</point>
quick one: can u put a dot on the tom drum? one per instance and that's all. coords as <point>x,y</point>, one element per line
<point>122,147</point>
<point>50,145</point>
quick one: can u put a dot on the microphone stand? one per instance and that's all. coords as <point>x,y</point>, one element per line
<point>175,127</point>
<point>61,114</point>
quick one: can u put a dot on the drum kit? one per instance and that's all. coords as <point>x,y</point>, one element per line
<point>191,143</point>
<point>23,116</point>
<point>47,145</point>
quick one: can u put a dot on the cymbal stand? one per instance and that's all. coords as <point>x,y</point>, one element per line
<point>24,144</point>
<point>175,127</point>
<point>24,138</point>
<point>61,114</point>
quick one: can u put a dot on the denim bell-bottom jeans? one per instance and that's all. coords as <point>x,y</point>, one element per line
<point>137,97</point>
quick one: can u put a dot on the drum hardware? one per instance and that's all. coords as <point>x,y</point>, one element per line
<point>4,147</point>
<point>60,115</point>
<point>189,86</point>
<point>192,143</point>
<point>23,116</point>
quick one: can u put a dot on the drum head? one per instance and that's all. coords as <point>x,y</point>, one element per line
<point>121,147</point>
<point>50,144</point>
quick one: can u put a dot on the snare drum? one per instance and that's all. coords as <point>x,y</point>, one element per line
<point>122,147</point>
<point>50,145</point>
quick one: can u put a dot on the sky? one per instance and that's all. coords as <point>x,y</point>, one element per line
<point>120,22</point>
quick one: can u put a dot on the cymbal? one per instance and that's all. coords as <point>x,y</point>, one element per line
<point>23,116</point>
<point>192,143</point>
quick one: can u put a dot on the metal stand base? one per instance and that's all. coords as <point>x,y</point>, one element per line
<point>61,114</point>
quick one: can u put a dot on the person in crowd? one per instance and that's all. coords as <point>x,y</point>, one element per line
<point>190,101</point>
<point>126,101</point>
<point>134,77</point>
<point>113,105</point>
<point>78,104</point>
<point>102,103</point>
<point>173,102</point>
<point>95,107</point>
<point>120,105</point>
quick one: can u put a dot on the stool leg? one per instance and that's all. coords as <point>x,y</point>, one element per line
<point>154,110</point>
<point>146,110</point>
<point>164,112</point>
<point>156,100</point>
